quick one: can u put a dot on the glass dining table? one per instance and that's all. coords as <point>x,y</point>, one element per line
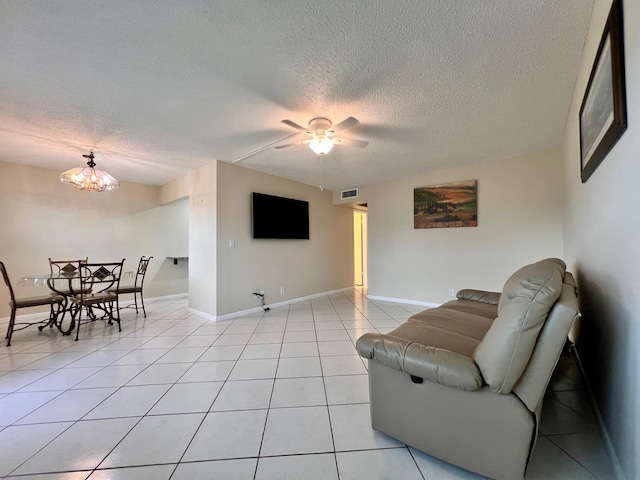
<point>66,284</point>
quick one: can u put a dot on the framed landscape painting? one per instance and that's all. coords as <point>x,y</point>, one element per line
<point>603,113</point>
<point>447,205</point>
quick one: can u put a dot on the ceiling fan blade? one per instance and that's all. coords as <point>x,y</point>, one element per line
<point>350,142</point>
<point>294,125</point>
<point>345,124</point>
<point>303,142</point>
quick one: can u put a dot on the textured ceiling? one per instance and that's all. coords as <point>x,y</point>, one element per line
<point>159,87</point>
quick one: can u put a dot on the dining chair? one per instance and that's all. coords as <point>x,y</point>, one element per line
<point>63,268</point>
<point>96,281</point>
<point>52,301</point>
<point>137,286</point>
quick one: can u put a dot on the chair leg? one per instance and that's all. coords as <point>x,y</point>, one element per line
<point>12,322</point>
<point>79,312</point>
<point>142,301</point>
<point>135,300</point>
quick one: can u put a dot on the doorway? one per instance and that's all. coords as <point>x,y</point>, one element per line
<point>360,248</point>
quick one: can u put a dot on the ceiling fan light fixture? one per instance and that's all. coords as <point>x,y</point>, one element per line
<point>88,178</point>
<point>321,144</point>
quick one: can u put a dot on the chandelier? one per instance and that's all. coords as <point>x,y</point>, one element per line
<point>88,178</point>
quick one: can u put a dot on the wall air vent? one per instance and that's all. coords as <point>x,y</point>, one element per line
<point>345,194</point>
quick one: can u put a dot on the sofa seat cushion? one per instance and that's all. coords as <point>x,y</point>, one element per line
<point>456,326</point>
<point>526,299</point>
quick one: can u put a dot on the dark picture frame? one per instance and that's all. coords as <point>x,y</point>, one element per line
<point>603,113</point>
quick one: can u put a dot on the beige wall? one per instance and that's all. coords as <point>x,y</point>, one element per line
<point>303,267</point>
<point>222,279</point>
<point>519,221</point>
<point>41,218</point>
<point>601,238</point>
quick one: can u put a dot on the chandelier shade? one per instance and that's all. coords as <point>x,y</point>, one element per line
<point>89,178</point>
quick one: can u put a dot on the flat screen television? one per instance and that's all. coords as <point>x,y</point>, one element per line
<point>279,217</point>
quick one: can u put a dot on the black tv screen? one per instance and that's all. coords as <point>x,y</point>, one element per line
<point>278,217</point>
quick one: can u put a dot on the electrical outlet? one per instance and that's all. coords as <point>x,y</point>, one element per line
<point>281,290</point>
<point>452,292</point>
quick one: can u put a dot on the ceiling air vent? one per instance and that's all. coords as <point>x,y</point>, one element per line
<point>345,194</point>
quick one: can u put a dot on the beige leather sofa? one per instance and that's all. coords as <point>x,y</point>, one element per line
<point>464,382</point>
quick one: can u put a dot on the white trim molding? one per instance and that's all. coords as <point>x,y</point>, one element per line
<point>252,311</point>
<point>403,300</point>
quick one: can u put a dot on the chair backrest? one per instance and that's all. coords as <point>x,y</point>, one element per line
<point>142,271</point>
<point>5,275</point>
<point>57,267</point>
<point>100,277</point>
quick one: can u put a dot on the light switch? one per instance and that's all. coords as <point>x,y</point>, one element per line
<point>232,244</point>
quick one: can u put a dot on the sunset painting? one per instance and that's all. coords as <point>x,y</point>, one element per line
<point>447,205</point>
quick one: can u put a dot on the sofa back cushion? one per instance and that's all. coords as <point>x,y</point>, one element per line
<point>526,299</point>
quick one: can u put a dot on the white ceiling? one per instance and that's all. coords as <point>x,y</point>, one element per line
<point>159,87</point>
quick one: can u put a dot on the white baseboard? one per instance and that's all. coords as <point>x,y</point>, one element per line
<point>251,311</point>
<point>617,468</point>
<point>166,297</point>
<point>403,300</point>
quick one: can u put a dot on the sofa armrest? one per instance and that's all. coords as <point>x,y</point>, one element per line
<point>429,363</point>
<point>479,296</point>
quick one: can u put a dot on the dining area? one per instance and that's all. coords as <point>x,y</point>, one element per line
<point>76,292</point>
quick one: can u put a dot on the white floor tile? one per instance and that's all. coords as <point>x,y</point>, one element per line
<point>343,365</point>
<point>154,472</point>
<point>14,381</point>
<point>298,392</point>
<point>82,446</point>
<point>297,430</point>
<point>115,376</point>
<point>233,339</point>
<point>215,354</point>
<point>299,367</point>
<point>155,439</point>
<point>300,467</point>
<point>434,468</point>
<point>187,398</point>
<point>254,369</point>
<point>16,405</point>
<point>69,406</point>
<point>389,464</point>
<point>549,462</point>
<point>141,357</point>
<point>337,348</point>
<point>155,374</point>
<point>244,395</point>
<point>182,355</point>
<point>253,352</point>
<point>303,349</point>
<point>24,441</point>
<point>225,435</point>
<point>131,401</point>
<point>351,426</point>
<point>241,469</point>
<point>208,372</point>
<point>61,379</point>
<point>347,389</point>
<point>287,416</point>
<point>198,341</point>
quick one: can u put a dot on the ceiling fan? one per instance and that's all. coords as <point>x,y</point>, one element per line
<point>323,135</point>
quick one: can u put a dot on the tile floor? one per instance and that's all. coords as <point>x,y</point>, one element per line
<point>276,395</point>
